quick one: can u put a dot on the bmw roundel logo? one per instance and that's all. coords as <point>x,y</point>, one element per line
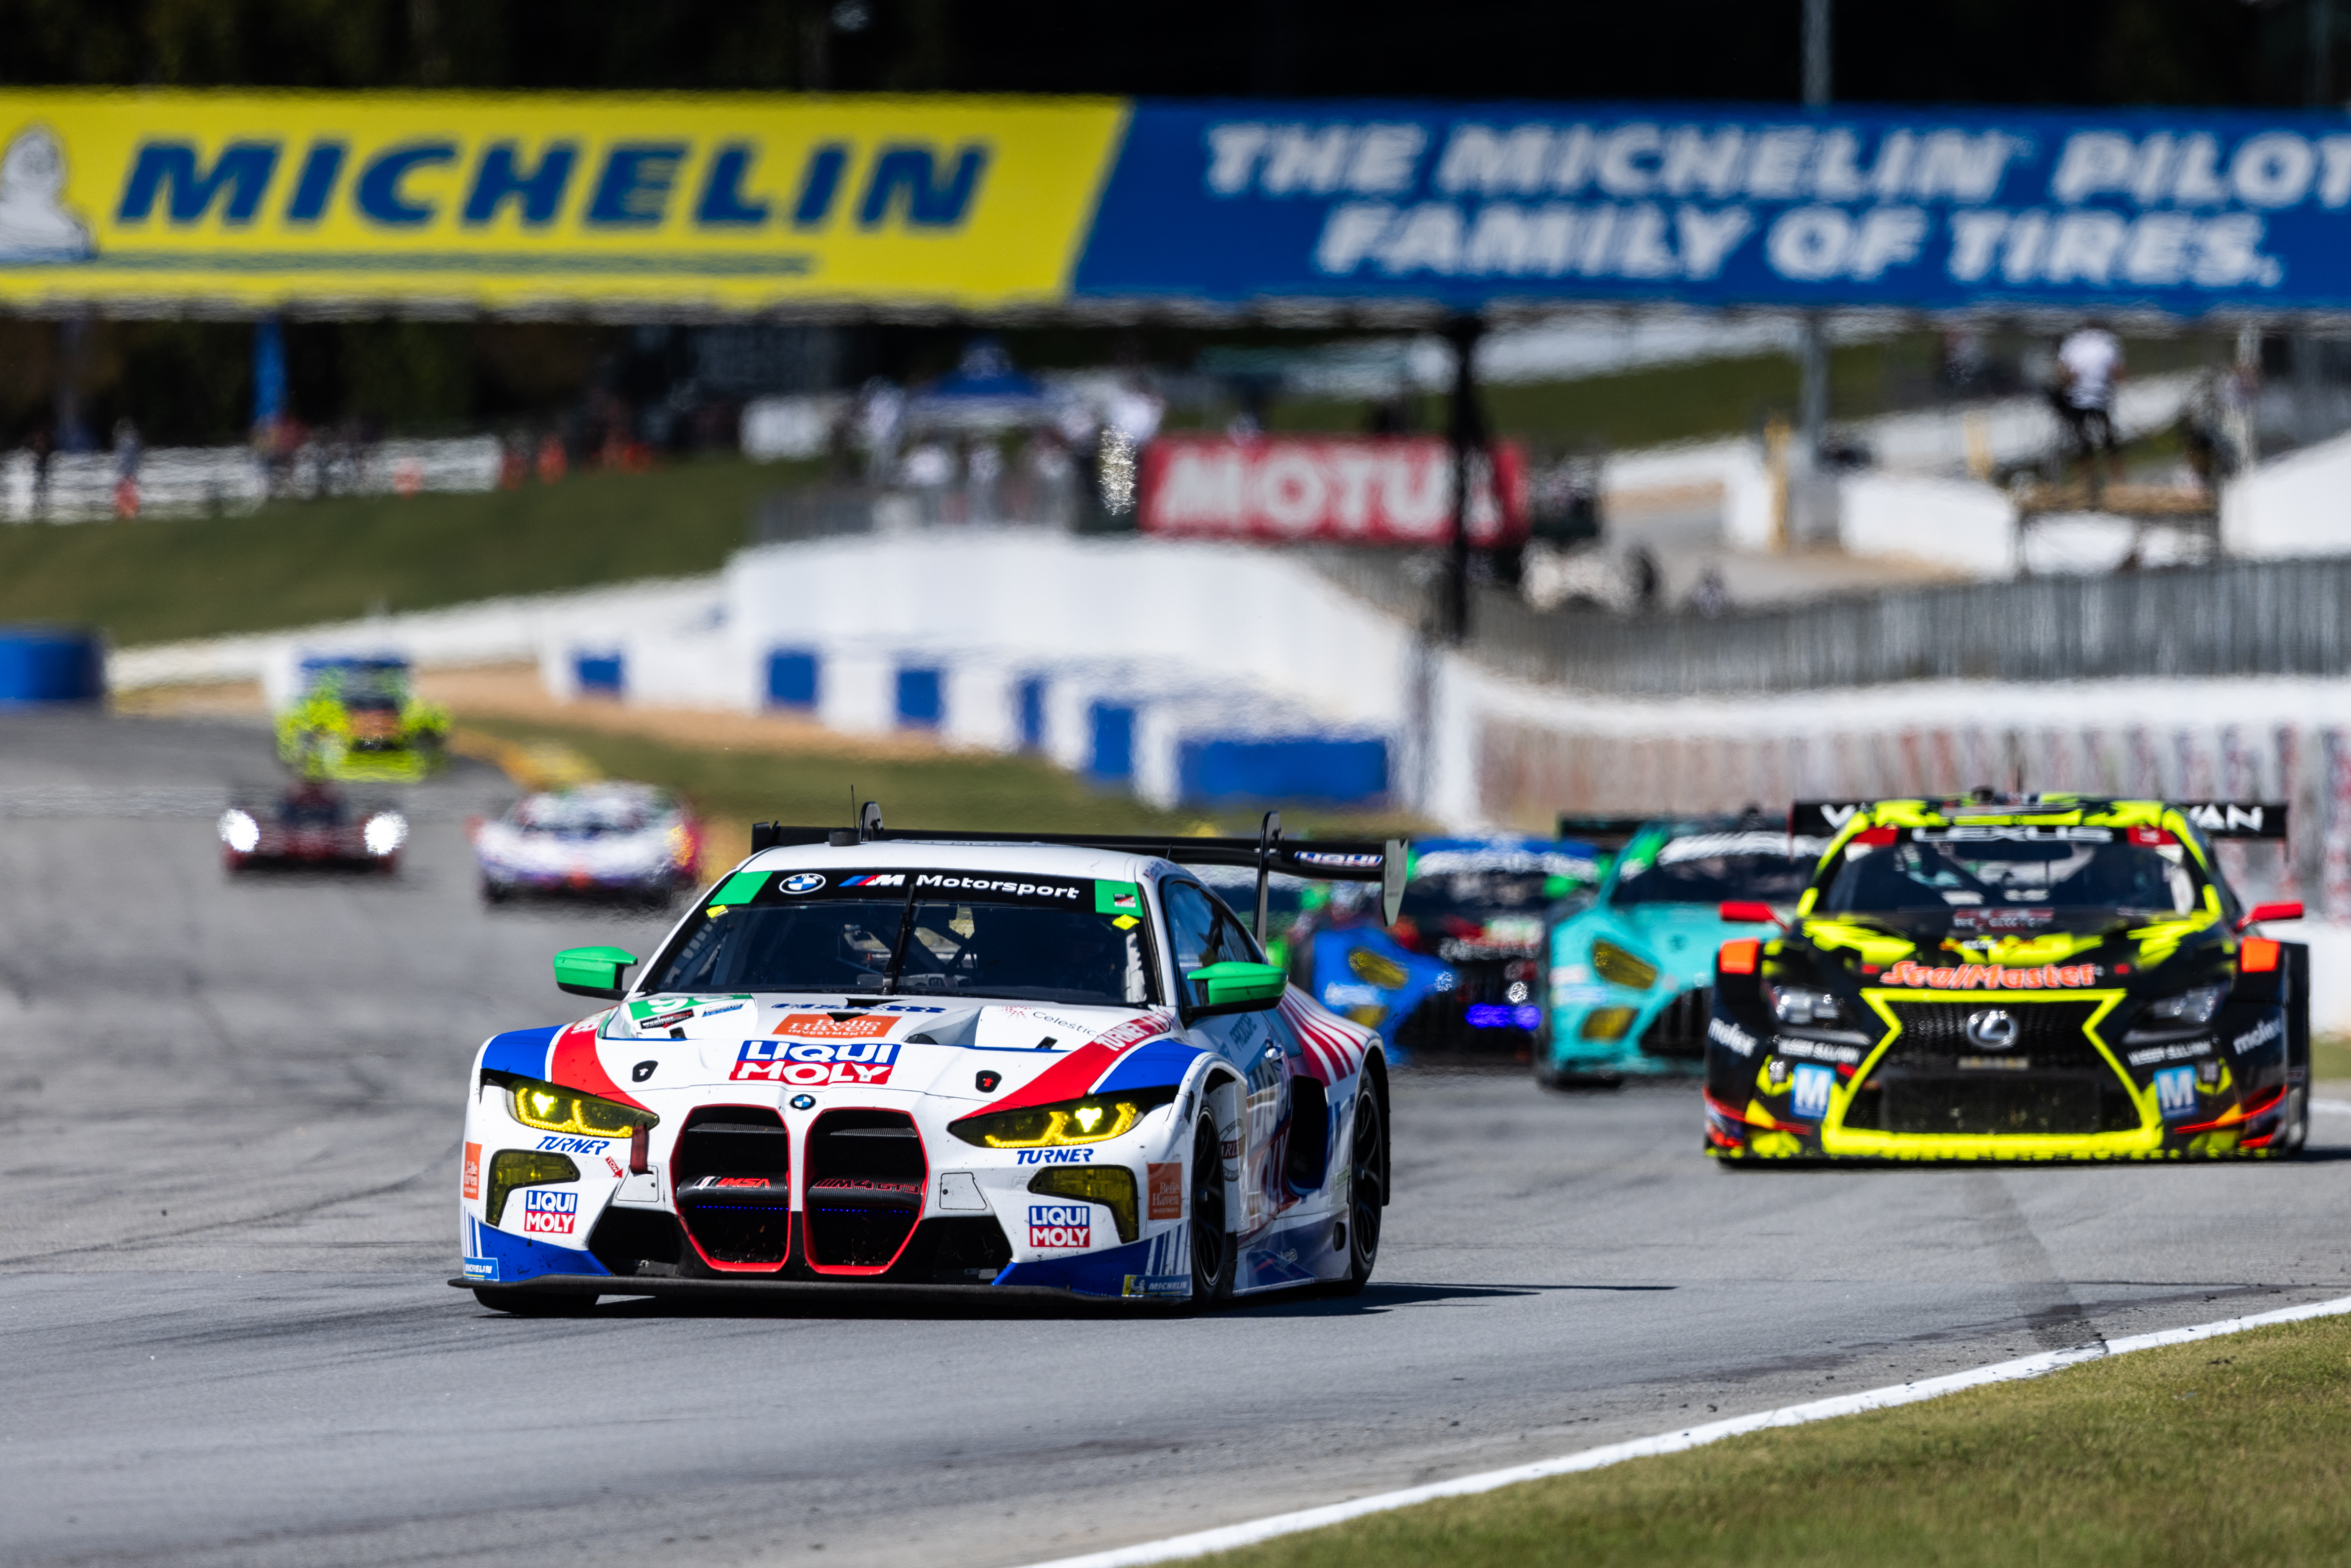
<point>803,1102</point>
<point>805,882</point>
<point>1993,1029</point>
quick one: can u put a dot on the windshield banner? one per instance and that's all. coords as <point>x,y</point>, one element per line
<point>989,207</point>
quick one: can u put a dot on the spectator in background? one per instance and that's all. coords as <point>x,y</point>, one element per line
<point>44,447</point>
<point>880,418</point>
<point>127,453</point>
<point>2089,369</point>
<point>1646,578</point>
<point>1136,413</point>
<point>1966,362</point>
<point>1710,598</point>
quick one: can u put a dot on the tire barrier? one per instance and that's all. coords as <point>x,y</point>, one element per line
<point>50,664</point>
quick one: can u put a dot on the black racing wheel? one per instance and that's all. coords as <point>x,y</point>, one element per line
<point>1367,1189</point>
<point>1213,1247</point>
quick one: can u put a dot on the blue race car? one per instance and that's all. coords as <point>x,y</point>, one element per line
<point>1630,974</point>
<point>1459,972</point>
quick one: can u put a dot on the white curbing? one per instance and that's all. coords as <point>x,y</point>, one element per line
<point>1201,1543</point>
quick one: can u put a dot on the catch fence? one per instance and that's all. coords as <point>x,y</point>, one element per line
<point>2229,618</point>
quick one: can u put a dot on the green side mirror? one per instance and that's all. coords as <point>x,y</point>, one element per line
<point>592,971</point>
<point>1236,987</point>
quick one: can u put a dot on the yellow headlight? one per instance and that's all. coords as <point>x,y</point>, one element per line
<point>1619,967</point>
<point>1606,1023</point>
<point>551,1108</point>
<point>513,1168</point>
<point>1093,1119</point>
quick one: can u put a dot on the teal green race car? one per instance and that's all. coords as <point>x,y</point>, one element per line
<point>1629,974</point>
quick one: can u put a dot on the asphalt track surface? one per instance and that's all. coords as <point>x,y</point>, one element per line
<point>230,1117</point>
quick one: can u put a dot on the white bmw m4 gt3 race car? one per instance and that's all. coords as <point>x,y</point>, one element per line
<point>939,1062</point>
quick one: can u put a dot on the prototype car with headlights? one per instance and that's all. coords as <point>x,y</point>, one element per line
<point>2037,978</point>
<point>1629,974</point>
<point>632,840</point>
<point>312,824</point>
<point>880,1058</point>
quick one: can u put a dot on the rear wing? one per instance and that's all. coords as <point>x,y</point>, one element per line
<point>1317,860</point>
<point>2214,819</point>
<point>1601,832</point>
<point>1823,819</point>
<point>2235,819</point>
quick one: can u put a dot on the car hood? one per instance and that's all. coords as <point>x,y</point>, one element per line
<point>1004,1054</point>
<point>504,844</point>
<point>1681,938</point>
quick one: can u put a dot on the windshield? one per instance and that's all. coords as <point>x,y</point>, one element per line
<point>986,934</point>
<point>1968,867</point>
<point>1285,894</point>
<point>583,816</point>
<point>1711,868</point>
<point>307,809</point>
<point>1472,885</point>
<point>361,683</point>
<point>1476,896</point>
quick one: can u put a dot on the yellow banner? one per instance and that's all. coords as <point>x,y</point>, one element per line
<point>366,201</point>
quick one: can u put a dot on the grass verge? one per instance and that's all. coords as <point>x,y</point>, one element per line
<point>2227,1451</point>
<point>2330,1057</point>
<point>734,787</point>
<point>295,563</point>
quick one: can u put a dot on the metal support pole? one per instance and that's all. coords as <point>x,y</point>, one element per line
<point>1816,53</point>
<point>1468,437</point>
<point>2322,51</point>
<point>73,353</point>
<point>1812,430</point>
<point>1813,383</point>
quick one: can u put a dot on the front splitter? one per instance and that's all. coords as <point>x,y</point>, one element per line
<point>844,1293</point>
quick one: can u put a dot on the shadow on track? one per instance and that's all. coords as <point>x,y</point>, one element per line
<point>1306,1302</point>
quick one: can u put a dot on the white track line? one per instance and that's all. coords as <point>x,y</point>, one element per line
<point>1177,1547</point>
<point>2337,1107</point>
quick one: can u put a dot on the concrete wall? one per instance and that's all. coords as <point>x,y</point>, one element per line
<point>1950,522</point>
<point>2297,505</point>
<point>488,631</point>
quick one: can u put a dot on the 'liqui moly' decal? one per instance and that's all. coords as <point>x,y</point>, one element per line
<point>549,1211</point>
<point>813,1063</point>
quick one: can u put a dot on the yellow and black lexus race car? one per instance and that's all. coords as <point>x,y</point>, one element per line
<point>2045,977</point>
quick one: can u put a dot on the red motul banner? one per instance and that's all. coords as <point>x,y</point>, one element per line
<point>1388,490</point>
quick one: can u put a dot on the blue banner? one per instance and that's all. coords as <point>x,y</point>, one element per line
<point>1465,207</point>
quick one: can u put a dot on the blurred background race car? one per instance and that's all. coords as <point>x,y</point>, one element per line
<point>312,824</point>
<point>1459,974</point>
<point>359,719</point>
<point>612,840</point>
<point>1630,972</point>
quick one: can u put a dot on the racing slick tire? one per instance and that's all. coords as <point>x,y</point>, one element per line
<point>1215,1247</point>
<point>1578,1083</point>
<point>495,892</point>
<point>534,1303</point>
<point>2296,1131</point>
<point>1367,1191</point>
